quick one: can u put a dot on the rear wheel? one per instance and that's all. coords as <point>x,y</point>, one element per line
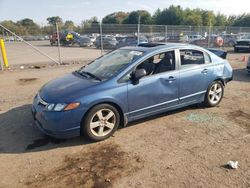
<point>101,122</point>
<point>214,94</point>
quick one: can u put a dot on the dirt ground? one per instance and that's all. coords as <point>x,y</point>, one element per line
<point>183,148</point>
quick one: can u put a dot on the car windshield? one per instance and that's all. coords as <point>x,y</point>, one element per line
<point>110,64</point>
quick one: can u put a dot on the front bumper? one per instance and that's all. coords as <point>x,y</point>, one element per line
<point>65,124</point>
<point>228,79</point>
<point>242,47</point>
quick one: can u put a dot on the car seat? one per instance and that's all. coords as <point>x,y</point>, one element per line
<point>148,66</point>
<point>164,65</point>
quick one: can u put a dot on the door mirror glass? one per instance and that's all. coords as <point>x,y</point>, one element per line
<point>137,75</point>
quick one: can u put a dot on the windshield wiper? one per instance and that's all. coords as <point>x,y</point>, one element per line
<point>89,74</point>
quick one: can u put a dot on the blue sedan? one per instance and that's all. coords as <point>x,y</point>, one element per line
<point>129,84</point>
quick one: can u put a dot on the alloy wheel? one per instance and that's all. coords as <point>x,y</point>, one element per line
<point>215,93</point>
<point>102,122</point>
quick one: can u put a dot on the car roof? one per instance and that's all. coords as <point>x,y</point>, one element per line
<point>150,47</point>
<point>242,39</point>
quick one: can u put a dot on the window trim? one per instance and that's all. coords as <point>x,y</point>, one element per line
<point>149,56</point>
<point>188,48</point>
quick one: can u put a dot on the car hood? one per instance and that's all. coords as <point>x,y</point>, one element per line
<point>246,40</point>
<point>65,88</point>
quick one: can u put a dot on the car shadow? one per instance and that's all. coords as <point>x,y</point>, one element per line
<point>194,106</point>
<point>241,75</point>
<point>18,134</point>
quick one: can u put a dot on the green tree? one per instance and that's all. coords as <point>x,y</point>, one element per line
<point>220,20</point>
<point>54,19</point>
<point>28,27</point>
<point>242,20</point>
<point>133,17</point>
<point>90,25</point>
<point>115,18</point>
<point>69,25</point>
<point>231,20</point>
<point>11,26</point>
<point>192,17</point>
<point>169,16</point>
<point>208,18</point>
<point>156,15</point>
<point>27,22</point>
<point>47,30</point>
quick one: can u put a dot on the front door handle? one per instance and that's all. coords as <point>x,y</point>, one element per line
<point>171,79</point>
<point>204,71</point>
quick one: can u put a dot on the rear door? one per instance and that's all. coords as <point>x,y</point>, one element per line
<point>195,73</point>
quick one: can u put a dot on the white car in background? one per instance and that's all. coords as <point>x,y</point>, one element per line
<point>192,38</point>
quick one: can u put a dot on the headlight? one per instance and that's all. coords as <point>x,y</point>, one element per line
<point>59,107</point>
<point>62,106</point>
<point>50,107</point>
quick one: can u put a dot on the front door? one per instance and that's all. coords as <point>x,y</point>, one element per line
<point>157,91</point>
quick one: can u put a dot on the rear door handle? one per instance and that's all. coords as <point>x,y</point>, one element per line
<point>171,79</point>
<point>204,71</point>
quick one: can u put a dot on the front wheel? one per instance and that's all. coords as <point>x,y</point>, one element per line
<point>214,94</point>
<point>101,122</point>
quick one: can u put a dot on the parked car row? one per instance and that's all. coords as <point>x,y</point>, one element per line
<point>68,38</point>
<point>115,41</point>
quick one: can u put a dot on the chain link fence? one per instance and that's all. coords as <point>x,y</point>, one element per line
<point>98,38</point>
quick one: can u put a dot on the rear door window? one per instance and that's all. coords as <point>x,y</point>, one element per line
<point>190,58</point>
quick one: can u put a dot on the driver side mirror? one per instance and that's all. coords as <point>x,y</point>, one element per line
<point>137,75</point>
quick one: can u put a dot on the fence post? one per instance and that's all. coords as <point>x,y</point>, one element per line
<point>166,33</point>
<point>58,43</point>
<point>138,30</point>
<point>101,38</point>
<point>209,35</point>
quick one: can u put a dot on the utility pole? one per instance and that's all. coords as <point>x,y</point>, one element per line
<point>101,39</point>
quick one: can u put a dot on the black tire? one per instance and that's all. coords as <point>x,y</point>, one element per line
<point>208,97</point>
<point>92,114</point>
<point>236,50</point>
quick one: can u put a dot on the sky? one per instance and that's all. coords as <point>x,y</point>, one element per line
<point>78,10</point>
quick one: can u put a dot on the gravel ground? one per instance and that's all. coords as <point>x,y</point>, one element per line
<point>183,148</point>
